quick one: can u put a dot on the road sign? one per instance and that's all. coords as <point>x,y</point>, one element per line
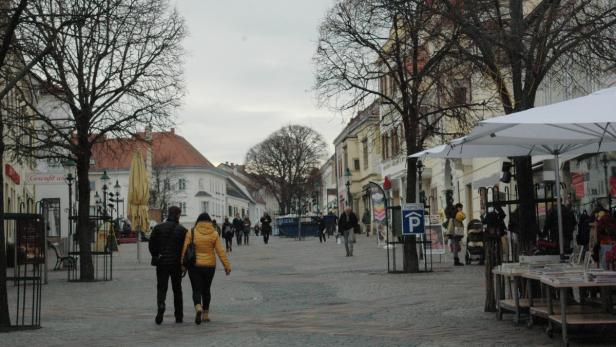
<point>413,222</point>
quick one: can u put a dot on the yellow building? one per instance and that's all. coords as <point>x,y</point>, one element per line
<point>357,159</point>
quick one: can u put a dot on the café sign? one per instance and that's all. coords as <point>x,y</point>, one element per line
<point>45,178</point>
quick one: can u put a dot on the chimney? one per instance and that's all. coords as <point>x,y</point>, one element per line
<point>172,131</point>
<point>148,152</point>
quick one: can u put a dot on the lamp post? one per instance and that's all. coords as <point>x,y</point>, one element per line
<point>105,180</point>
<point>69,166</point>
<point>420,167</point>
<point>605,161</point>
<point>348,176</point>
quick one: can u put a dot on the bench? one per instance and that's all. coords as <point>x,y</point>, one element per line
<point>70,261</point>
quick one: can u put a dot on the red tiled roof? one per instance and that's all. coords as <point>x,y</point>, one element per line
<point>168,149</point>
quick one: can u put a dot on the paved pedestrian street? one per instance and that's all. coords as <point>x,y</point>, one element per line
<point>287,293</point>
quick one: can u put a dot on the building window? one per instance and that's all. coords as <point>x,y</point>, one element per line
<point>205,206</point>
<point>395,142</point>
<point>346,158</point>
<point>182,184</point>
<point>230,211</point>
<point>166,184</point>
<point>365,152</point>
<point>182,206</point>
<point>356,164</point>
<point>51,209</point>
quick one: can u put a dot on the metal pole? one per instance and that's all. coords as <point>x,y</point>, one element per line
<point>607,184</point>
<point>559,211</point>
<point>70,214</point>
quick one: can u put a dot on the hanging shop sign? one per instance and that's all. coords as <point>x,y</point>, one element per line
<point>10,172</point>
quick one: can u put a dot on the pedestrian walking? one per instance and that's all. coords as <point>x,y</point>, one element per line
<point>266,227</point>
<point>455,230</point>
<point>227,234</point>
<point>238,228</point>
<point>206,246</point>
<point>321,226</point>
<point>165,247</point>
<point>347,223</point>
<point>331,222</point>
<point>246,230</point>
<point>365,219</point>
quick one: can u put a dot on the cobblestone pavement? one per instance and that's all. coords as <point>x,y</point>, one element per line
<point>287,293</point>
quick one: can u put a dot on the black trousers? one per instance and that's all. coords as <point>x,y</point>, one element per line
<point>266,236</point>
<point>246,238</point>
<point>229,243</point>
<point>322,237</point>
<point>163,273</point>
<point>238,237</point>
<point>201,282</point>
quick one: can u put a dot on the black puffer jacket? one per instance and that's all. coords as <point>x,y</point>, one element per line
<point>345,223</point>
<point>166,242</point>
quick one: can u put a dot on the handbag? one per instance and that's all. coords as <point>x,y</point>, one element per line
<point>190,257</point>
<point>356,229</point>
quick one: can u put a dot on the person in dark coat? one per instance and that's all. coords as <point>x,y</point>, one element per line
<point>165,246</point>
<point>238,228</point>
<point>365,219</point>
<point>346,225</point>
<point>266,227</point>
<point>321,226</point>
<point>227,234</point>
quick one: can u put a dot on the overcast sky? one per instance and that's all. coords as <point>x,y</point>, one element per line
<point>248,72</point>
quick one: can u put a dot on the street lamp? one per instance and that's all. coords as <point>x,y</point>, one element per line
<point>348,176</point>
<point>69,166</point>
<point>420,167</point>
<point>605,161</point>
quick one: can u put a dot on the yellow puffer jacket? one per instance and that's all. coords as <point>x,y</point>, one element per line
<point>207,243</point>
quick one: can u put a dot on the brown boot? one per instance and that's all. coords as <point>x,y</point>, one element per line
<point>198,314</point>
<point>205,316</point>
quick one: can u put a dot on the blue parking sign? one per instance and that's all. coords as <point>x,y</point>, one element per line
<point>413,222</point>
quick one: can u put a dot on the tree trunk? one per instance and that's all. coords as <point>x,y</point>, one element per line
<point>526,210</point>
<point>492,259</point>
<point>410,260</point>
<point>84,229</point>
<point>5,318</point>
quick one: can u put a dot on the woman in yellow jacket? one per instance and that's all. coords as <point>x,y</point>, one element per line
<point>207,245</point>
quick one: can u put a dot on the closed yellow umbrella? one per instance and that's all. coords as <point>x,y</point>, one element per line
<point>138,196</point>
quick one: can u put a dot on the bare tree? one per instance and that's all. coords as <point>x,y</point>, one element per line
<point>117,70</point>
<point>284,161</point>
<point>14,68</point>
<point>517,45</point>
<point>399,53</point>
<point>162,188</point>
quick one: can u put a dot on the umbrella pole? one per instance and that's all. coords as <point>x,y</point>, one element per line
<point>561,240</point>
<point>138,246</point>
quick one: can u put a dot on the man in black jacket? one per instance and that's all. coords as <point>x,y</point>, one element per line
<point>347,225</point>
<point>166,242</point>
<point>266,227</point>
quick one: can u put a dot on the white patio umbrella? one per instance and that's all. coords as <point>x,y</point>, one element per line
<point>574,127</point>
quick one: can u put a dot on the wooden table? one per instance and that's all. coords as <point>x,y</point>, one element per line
<point>514,304</point>
<point>565,319</point>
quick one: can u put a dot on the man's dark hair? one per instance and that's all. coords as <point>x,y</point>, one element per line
<point>204,217</point>
<point>174,212</point>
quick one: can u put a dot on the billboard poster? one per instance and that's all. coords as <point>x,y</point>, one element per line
<point>434,232</point>
<point>378,206</point>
